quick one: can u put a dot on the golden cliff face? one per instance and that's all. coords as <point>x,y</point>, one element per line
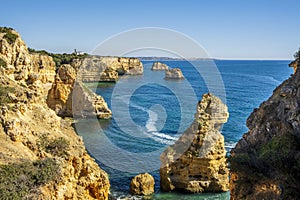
<point>41,155</point>
<point>196,162</point>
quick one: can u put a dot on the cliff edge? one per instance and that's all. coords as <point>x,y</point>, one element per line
<point>265,163</point>
<point>41,156</point>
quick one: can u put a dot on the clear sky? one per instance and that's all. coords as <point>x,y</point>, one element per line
<point>228,29</point>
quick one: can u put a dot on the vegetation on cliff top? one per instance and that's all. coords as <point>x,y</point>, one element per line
<point>18,181</point>
<point>56,147</point>
<point>9,36</point>
<point>3,63</point>
<point>4,98</point>
<point>60,59</point>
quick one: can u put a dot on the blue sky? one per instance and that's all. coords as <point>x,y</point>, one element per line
<point>228,29</point>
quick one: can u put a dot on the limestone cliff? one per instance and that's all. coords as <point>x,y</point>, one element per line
<point>99,68</point>
<point>41,156</point>
<point>68,97</point>
<point>295,64</point>
<point>265,163</point>
<point>196,162</point>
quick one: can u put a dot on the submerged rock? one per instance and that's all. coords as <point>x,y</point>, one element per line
<point>265,163</point>
<point>158,66</point>
<point>197,162</point>
<point>175,73</point>
<point>142,184</point>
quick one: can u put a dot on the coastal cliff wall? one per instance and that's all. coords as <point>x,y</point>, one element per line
<point>196,162</point>
<point>41,156</point>
<point>265,163</point>
<point>101,68</point>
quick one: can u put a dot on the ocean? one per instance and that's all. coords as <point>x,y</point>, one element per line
<point>150,113</point>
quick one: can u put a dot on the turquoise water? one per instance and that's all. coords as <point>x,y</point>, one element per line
<point>150,113</point>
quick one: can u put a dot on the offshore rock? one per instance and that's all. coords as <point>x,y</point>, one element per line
<point>158,66</point>
<point>142,184</point>
<point>197,162</point>
<point>175,73</point>
<point>69,98</point>
<point>265,163</point>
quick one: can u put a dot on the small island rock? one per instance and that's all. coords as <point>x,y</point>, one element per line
<point>142,184</point>
<point>158,66</point>
<point>175,73</point>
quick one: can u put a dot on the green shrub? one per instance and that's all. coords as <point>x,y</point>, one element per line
<point>3,63</point>
<point>4,99</point>
<point>56,147</point>
<point>297,54</point>
<point>9,36</point>
<point>19,180</point>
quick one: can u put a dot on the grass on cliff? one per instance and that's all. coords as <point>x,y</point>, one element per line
<point>9,36</point>
<point>18,181</point>
<point>60,59</point>
<point>4,99</point>
<point>56,147</point>
<point>3,63</point>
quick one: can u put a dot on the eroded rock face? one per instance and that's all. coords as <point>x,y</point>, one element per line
<point>21,65</point>
<point>142,184</point>
<point>265,163</point>
<point>30,131</point>
<point>196,162</point>
<point>295,64</point>
<point>175,73</point>
<point>69,98</point>
<point>158,66</point>
<point>98,68</point>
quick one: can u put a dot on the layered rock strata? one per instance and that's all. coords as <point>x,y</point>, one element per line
<point>197,162</point>
<point>142,184</point>
<point>265,163</point>
<point>174,73</point>
<point>158,66</point>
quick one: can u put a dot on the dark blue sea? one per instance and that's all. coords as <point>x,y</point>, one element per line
<point>150,113</point>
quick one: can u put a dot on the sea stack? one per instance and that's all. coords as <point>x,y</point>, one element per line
<point>196,162</point>
<point>142,184</point>
<point>175,73</point>
<point>158,66</point>
<point>265,163</point>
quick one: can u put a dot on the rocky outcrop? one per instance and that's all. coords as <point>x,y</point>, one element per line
<point>158,66</point>
<point>20,64</point>
<point>142,184</point>
<point>175,73</point>
<point>41,156</point>
<point>196,162</point>
<point>265,163</point>
<point>98,68</point>
<point>69,98</point>
<point>295,64</point>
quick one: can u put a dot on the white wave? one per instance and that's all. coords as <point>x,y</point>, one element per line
<point>151,122</point>
<point>230,145</point>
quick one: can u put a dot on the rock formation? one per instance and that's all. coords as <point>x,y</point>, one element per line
<point>295,64</point>
<point>175,73</point>
<point>98,68</point>
<point>265,163</point>
<point>158,66</point>
<point>41,155</point>
<point>196,162</point>
<point>68,97</point>
<point>142,184</point>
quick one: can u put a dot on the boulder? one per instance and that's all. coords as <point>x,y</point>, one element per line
<point>142,184</point>
<point>197,161</point>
